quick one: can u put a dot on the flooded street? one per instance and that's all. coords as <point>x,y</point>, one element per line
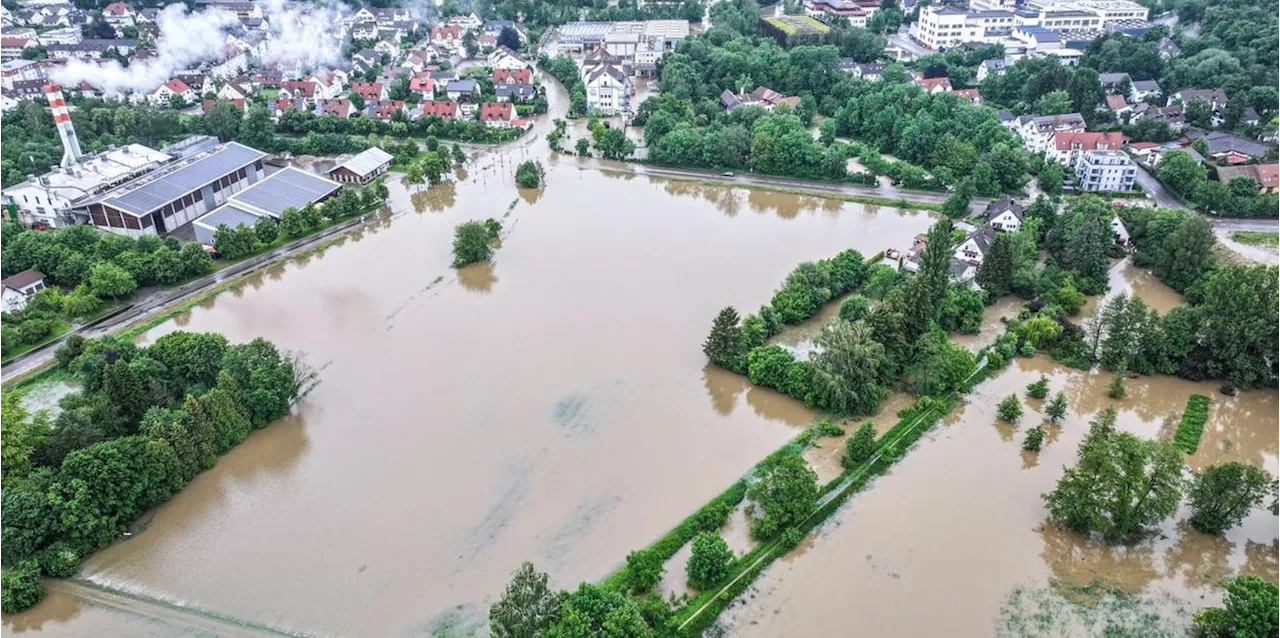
<point>956,535</point>
<point>552,406</point>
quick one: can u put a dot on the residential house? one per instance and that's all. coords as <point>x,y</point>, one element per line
<point>165,93</point>
<point>1172,114</point>
<point>297,89</point>
<point>449,36</point>
<point>933,85</point>
<point>388,48</point>
<point>972,96</point>
<point>1143,89</point>
<point>1037,131</point>
<point>234,90</point>
<point>1249,117</point>
<point>1067,147</point>
<point>11,48</point>
<point>1118,104</point>
<point>384,109</point>
<point>988,68</point>
<point>495,27</point>
<point>1148,153</point>
<point>1105,171</point>
<point>422,85</point>
<point>363,167</point>
<point>1004,214</point>
<point>469,22</point>
<point>1111,82</point>
<point>90,49</point>
<point>340,108</point>
<point>365,59</point>
<point>462,90</point>
<point>1266,176</point>
<point>975,246</point>
<point>16,70</point>
<point>1168,48</point>
<point>64,35</point>
<point>418,59</point>
<point>504,58</point>
<point>119,15</point>
<point>514,92</point>
<point>870,72</point>
<point>1232,149</point>
<point>370,91</point>
<point>497,114</point>
<point>764,97</point>
<point>329,84</point>
<point>512,76</point>
<point>279,105</point>
<point>365,30</point>
<point>20,288</point>
<point>441,109</point>
<point>1217,98</point>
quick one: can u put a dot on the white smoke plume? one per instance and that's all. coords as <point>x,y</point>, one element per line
<point>185,40</point>
<point>306,35</point>
<point>302,34</point>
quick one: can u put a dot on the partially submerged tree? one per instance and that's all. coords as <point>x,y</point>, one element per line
<point>1222,495</point>
<point>527,608</point>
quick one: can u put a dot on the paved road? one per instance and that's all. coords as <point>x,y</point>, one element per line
<point>1163,196</point>
<point>159,299</point>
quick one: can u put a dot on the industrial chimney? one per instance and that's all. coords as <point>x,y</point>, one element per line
<point>62,119</point>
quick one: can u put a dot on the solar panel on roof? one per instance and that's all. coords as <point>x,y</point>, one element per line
<point>289,188</point>
<point>186,179</point>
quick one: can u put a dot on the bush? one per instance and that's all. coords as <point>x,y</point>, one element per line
<point>59,561</point>
<point>20,588</point>
<point>1191,427</point>
<point>644,570</point>
<point>827,428</point>
<point>859,447</point>
<point>712,517</point>
<point>1116,389</point>
<point>710,562</point>
<point>1039,389</point>
<point>529,174</point>
<point>1035,438</point>
<point>1009,409</point>
<point>792,537</point>
<point>854,308</point>
<point>473,242</point>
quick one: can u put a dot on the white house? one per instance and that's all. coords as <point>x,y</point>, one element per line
<point>19,288</point>
<point>387,47</point>
<point>1005,214</point>
<point>608,89</point>
<point>974,247</point>
<point>1105,171</point>
<point>504,58</point>
<point>1037,131</point>
<point>233,91</point>
<point>166,91</point>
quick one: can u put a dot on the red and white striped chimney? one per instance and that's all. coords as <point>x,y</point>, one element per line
<point>62,119</point>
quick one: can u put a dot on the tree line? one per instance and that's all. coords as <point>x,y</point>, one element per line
<point>146,421</point>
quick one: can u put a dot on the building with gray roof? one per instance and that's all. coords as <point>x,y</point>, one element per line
<point>269,197</point>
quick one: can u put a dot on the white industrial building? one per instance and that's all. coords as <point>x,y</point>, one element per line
<point>995,22</point>
<point>269,197</point>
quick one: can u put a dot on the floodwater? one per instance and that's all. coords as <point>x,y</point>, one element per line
<point>957,533</point>
<point>552,406</point>
<point>1124,277</point>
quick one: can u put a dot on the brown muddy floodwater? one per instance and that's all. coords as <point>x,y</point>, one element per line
<point>552,406</point>
<point>956,535</point>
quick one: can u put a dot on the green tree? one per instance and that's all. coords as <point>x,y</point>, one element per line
<point>854,308</point>
<point>109,280</point>
<point>1250,611</point>
<point>583,147</point>
<point>1182,174</point>
<point>527,608</point>
<point>472,242</point>
<point>1187,255</point>
<point>591,611</point>
<point>710,562</point>
<point>1222,495</point>
<point>613,144</point>
<point>195,261</point>
<point>291,222</point>
<point>958,202</point>
<point>1009,409</point>
<point>995,275</point>
<point>1116,389</point>
<point>849,366</point>
<point>1057,408</point>
<point>1039,389</point>
<point>222,120</point>
<point>859,447</point>
<point>20,588</point>
<point>529,174</point>
<point>644,570</point>
<point>266,229</point>
<point>1053,103</point>
<point>22,434</point>
<point>1121,485</point>
<point>786,489</point>
<point>1238,324</point>
<point>1034,439</point>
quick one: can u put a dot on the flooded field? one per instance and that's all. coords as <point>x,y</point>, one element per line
<point>956,535</point>
<point>552,406</point>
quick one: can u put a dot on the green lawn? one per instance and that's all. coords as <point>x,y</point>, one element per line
<point>1256,238</point>
<point>60,328</point>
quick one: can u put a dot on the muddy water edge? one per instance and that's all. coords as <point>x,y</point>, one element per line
<point>956,534</point>
<point>551,406</point>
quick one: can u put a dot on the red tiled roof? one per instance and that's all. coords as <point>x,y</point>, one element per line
<point>177,86</point>
<point>16,43</point>
<point>1142,146</point>
<point>1065,141</point>
<point>117,8</point>
<point>931,83</point>
<point>446,33</point>
<point>495,112</point>
<point>974,96</point>
<point>368,90</point>
<point>423,83</point>
<point>512,76</point>
<point>1266,175</point>
<point>302,89</point>
<point>385,108</point>
<point>441,109</point>
<point>1116,102</point>
<point>340,108</point>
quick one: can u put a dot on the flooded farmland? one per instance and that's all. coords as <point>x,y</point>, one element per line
<point>956,534</point>
<point>553,405</point>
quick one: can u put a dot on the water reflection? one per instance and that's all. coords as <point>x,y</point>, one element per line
<point>436,198</point>
<point>1201,558</point>
<point>478,277</point>
<point>723,387</point>
<point>1077,560</point>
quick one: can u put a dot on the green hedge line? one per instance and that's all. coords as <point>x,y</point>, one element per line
<point>1191,427</point>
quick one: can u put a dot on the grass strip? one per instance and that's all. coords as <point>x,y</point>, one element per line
<point>844,197</point>
<point>1256,237</point>
<point>60,327</point>
<point>1191,427</point>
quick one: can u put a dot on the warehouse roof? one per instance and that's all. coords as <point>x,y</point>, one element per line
<point>287,188</point>
<point>366,162</point>
<point>160,188</point>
